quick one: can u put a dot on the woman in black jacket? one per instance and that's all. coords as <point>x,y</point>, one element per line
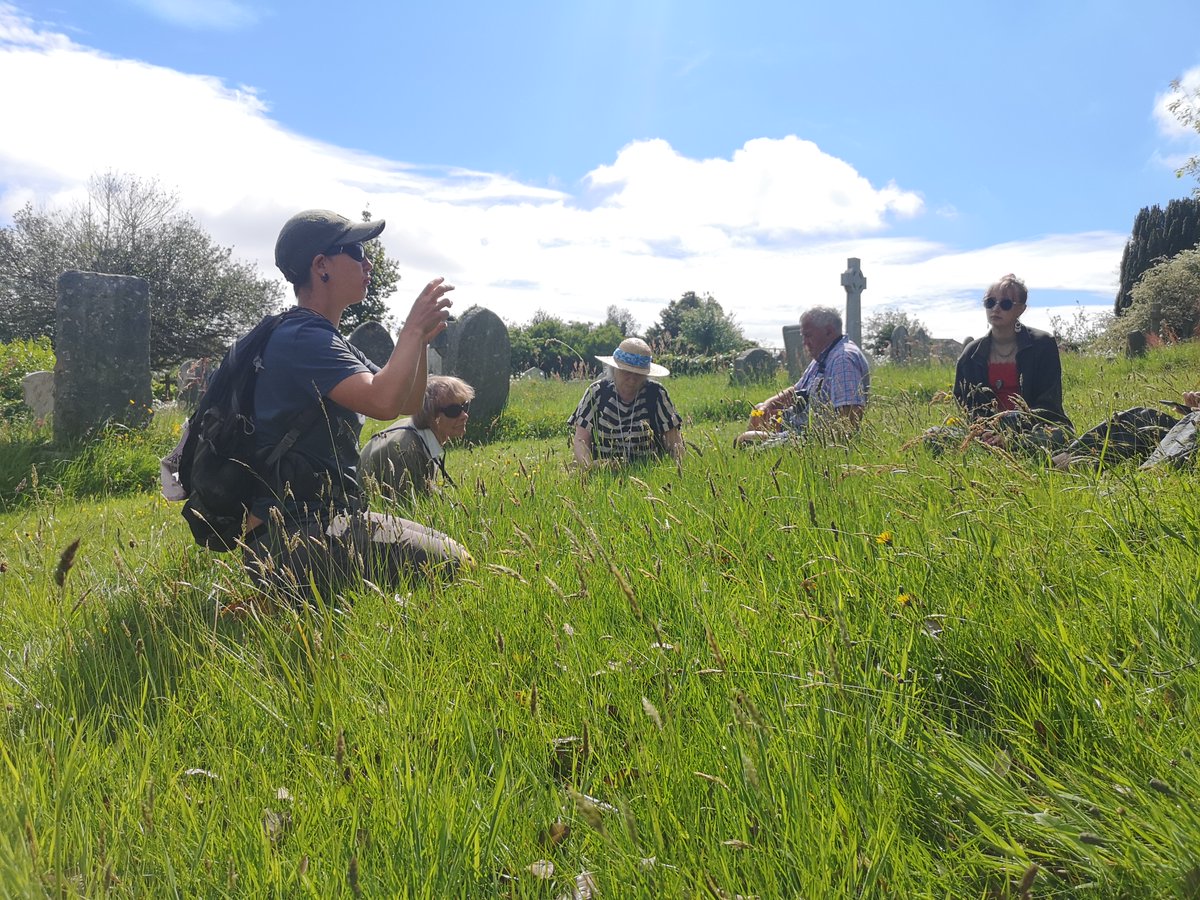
<point>1013,373</point>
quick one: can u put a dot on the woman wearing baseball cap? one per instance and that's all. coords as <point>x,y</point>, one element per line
<point>625,415</point>
<point>313,525</point>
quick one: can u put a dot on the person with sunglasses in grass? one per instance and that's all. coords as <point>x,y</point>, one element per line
<point>1010,380</point>
<point>403,460</point>
<point>310,527</point>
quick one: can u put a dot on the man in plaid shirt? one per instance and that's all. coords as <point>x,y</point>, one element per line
<point>832,393</point>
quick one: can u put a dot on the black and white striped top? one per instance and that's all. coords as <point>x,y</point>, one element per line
<point>625,431</point>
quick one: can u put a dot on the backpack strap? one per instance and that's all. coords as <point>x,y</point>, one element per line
<point>300,424</point>
<point>439,461</point>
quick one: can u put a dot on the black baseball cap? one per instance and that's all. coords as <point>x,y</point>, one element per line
<point>314,231</point>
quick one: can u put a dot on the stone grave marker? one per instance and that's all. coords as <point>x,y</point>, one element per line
<point>1135,344</point>
<point>855,283</point>
<point>37,390</point>
<point>374,341</point>
<point>102,345</point>
<point>794,352</point>
<point>754,366</point>
<point>476,349</point>
<point>1155,318</point>
<point>899,345</point>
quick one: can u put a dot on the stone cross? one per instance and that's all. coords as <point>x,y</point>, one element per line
<point>102,350</point>
<point>476,349</point>
<point>855,283</point>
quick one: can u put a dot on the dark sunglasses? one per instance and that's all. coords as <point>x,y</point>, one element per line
<point>1005,304</point>
<point>454,410</point>
<point>355,251</point>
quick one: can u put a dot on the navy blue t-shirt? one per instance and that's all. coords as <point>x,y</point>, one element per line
<point>305,358</point>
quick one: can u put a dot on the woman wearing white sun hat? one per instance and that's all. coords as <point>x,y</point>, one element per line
<point>625,415</point>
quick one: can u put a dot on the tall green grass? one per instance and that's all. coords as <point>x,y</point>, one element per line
<point>842,670</point>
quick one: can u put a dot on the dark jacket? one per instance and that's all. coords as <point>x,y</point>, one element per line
<point>1038,369</point>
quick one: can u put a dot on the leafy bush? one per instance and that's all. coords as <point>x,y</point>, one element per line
<point>17,359</point>
<point>1175,286</point>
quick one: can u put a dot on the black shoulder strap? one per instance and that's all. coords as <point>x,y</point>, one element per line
<point>300,424</point>
<point>824,357</point>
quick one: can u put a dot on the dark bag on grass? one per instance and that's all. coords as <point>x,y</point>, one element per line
<point>219,469</point>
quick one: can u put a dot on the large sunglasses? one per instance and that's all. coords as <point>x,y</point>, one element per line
<point>355,251</point>
<point>454,410</point>
<point>1005,304</point>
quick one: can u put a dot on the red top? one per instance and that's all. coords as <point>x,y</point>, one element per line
<point>1002,378</point>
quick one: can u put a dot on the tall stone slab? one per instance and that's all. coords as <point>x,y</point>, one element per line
<point>374,341</point>
<point>899,345</point>
<point>37,390</point>
<point>102,346</point>
<point>855,283</point>
<point>794,352</point>
<point>476,349</point>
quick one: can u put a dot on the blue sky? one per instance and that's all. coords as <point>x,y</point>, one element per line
<point>567,156</point>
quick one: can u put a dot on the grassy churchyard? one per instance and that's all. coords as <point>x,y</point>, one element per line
<point>843,671</point>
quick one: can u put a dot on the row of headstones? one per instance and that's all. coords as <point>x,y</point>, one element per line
<point>102,358</point>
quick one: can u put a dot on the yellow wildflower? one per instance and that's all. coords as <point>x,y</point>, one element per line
<point>905,599</point>
<point>884,538</point>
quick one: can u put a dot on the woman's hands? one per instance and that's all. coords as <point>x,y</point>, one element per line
<point>430,310</point>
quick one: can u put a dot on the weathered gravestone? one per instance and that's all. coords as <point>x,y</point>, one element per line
<point>37,390</point>
<point>754,366</point>
<point>1135,344</point>
<point>919,346</point>
<point>476,349</point>
<point>944,350</point>
<point>374,341</point>
<point>794,352</point>
<point>899,345</point>
<point>855,283</point>
<point>102,345</point>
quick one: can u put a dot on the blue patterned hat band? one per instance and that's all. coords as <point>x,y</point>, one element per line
<point>633,355</point>
<point>631,359</point>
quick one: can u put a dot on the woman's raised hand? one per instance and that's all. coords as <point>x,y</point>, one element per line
<point>430,310</point>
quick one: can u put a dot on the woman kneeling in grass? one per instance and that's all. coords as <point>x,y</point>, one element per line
<point>625,415</point>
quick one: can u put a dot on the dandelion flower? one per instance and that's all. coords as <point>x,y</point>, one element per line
<point>953,420</point>
<point>884,538</point>
<point>905,599</point>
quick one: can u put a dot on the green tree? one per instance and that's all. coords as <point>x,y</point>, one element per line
<point>1174,285</point>
<point>200,296</point>
<point>708,329</point>
<point>695,324</point>
<point>385,275</point>
<point>666,331</point>
<point>622,319</point>
<point>1186,108</point>
<point>878,329</point>
<point>561,348</point>
<point>1157,234</point>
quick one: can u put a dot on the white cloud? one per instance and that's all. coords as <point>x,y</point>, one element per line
<point>767,230</point>
<point>1168,123</point>
<point>225,15</point>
